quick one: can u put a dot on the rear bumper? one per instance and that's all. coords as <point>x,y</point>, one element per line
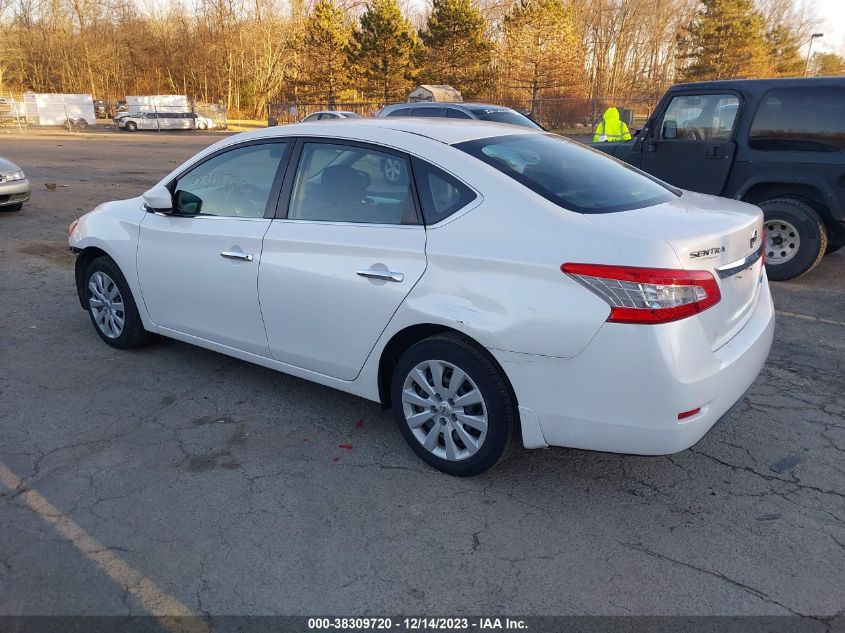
<point>14,192</point>
<point>623,394</point>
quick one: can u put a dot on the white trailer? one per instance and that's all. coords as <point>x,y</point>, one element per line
<point>70,110</point>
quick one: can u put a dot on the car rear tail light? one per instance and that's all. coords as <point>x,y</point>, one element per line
<point>647,295</point>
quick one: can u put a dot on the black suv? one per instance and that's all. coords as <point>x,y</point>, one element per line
<point>776,143</point>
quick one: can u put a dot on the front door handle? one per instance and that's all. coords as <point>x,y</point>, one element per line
<point>247,257</point>
<point>384,275</point>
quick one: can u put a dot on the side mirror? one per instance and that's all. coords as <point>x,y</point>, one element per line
<point>159,199</point>
<point>670,129</point>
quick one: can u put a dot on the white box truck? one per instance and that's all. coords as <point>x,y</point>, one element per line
<point>69,110</point>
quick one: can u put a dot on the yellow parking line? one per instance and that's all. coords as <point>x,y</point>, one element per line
<point>808,317</point>
<point>172,614</point>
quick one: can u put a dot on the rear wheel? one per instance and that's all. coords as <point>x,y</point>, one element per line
<point>453,405</point>
<point>796,238</point>
<point>111,305</point>
<point>393,169</point>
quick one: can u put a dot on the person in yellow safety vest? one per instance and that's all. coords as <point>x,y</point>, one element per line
<point>611,128</point>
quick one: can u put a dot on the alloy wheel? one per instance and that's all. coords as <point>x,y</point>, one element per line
<point>106,305</point>
<point>392,169</point>
<point>444,409</point>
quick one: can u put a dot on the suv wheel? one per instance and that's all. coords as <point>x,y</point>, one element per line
<point>796,238</point>
<point>453,405</point>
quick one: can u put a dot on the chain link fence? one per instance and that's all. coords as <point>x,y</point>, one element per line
<point>19,113</point>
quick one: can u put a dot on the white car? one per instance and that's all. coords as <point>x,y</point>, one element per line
<point>203,122</point>
<point>513,284</point>
<point>331,115</point>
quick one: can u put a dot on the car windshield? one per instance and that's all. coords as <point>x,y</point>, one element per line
<point>569,174</point>
<point>504,115</point>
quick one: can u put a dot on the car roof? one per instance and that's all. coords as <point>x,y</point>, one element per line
<point>760,84</point>
<point>449,131</point>
<point>439,104</point>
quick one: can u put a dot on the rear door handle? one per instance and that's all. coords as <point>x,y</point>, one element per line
<point>247,257</point>
<point>384,275</point>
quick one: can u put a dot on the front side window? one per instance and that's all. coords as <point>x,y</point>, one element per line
<point>504,115</point>
<point>808,119</point>
<point>347,183</point>
<point>441,195</point>
<point>236,183</point>
<point>700,118</point>
<point>569,174</point>
<point>400,112</point>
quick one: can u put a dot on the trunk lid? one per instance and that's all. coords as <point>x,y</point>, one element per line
<point>712,234</point>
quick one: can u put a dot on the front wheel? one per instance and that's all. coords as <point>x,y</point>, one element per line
<point>12,207</point>
<point>796,238</point>
<point>131,126</point>
<point>111,305</point>
<point>453,405</point>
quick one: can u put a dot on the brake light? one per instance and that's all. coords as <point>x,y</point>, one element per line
<point>647,295</point>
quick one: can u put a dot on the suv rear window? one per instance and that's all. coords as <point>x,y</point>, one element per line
<point>569,174</point>
<point>800,120</point>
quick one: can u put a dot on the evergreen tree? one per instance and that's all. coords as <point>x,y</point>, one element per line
<point>540,50</point>
<point>382,51</point>
<point>457,51</point>
<point>323,73</point>
<point>785,61</point>
<point>724,41</point>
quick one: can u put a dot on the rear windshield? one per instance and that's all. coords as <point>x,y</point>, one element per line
<point>569,174</point>
<point>504,115</point>
<point>808,119</point>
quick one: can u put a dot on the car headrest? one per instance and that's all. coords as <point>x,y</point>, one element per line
<point>341,183</point>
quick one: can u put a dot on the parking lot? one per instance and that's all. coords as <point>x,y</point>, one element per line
<point>172,477</point>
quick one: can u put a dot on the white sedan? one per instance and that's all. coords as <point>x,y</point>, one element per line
<point>510,284</point>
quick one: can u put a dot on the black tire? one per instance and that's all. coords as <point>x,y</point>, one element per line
<point>811,233</point>
<point>12,207</point>
<point>131,126</point>
<point>832,248</point>
<point>133,334</point>
<point>494,388</point>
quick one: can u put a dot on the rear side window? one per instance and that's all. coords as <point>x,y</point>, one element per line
<point>441,195</point>
<point>569,174</point>
<point>400,112</point>
<point>454,113</point>
<point>807,119</point>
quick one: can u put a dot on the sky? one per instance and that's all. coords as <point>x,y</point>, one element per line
<point>832,23</point>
